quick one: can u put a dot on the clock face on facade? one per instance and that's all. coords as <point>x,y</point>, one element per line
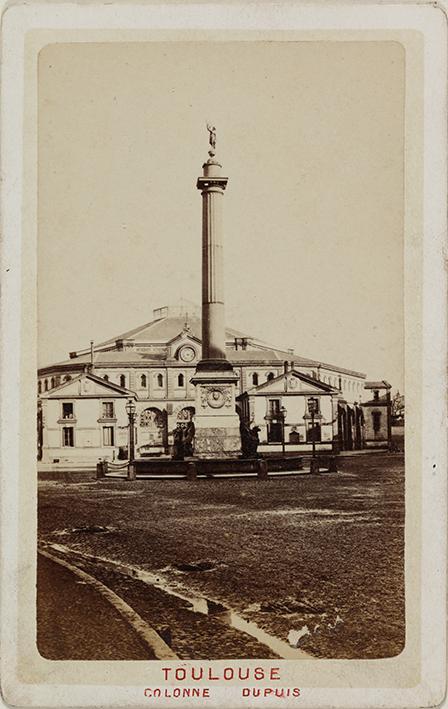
<point>187,354</point>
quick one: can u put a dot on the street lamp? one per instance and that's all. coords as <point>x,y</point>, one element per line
<point>313,407</point>
<point>130,410</point>
<point>283,415</point>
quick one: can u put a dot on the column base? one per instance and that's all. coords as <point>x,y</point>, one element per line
<point>217,443</point>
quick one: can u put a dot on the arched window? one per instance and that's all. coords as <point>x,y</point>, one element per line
<point>180,380</point>
<point>160,380</point>
<point>39,387</point>
<point>122,380</point>
<point>143,381</point>
<point>106,378</point>
<point>52,382</point>
<point>46,385</point>
<point>255,379</point>
<point>270,376</point>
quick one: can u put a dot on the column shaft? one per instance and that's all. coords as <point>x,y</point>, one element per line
<point>213,325</point>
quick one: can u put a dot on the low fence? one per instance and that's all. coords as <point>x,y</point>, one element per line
<point>105,468</point>
<point>193,468</point>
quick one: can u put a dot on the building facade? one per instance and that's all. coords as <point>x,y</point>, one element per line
<point>154,364</point>
<point>377,415</point>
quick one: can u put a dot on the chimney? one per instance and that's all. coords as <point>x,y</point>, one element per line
<point>91,356</point>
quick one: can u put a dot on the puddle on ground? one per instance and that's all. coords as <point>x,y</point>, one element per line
<point>305,511</point>
<point>111,492</point>
<point>198,604</point>
<point>316,515</point>
<point>89,529</point>
<point>193,566</point>
<point>295,636</point>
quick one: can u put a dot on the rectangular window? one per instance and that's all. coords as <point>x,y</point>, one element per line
<point>314,404</point>
<point>108,409</point>
<point>67,410</point>
<point>108,435</point>
<point>275,432</point>
<point>313,433</point>
<point>274,407</point>
<point>376,421</point>
<point>67,436</point>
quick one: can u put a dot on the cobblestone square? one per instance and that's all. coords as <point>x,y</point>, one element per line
<point>231,566</point>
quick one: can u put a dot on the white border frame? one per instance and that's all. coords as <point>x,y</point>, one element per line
<point>429,20</point>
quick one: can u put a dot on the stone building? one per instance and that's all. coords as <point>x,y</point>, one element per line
<point>377,415</point>
<point>280,409</point>
<point>154,364</point>
<point>83,419</point>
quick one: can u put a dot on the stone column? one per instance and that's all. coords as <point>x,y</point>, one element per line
<point>212,186</point>
<point>216,422</point>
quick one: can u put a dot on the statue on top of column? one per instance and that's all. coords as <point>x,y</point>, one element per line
<point>212,139</point>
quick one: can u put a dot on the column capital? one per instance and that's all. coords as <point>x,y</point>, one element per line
<point>209,183</point>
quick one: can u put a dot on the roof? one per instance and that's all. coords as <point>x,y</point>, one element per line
<point>257,355</point>
<point>267,385</point>
<point>162,331</point>
<point>166,329</point>
<point>87,375</point>
<point>377,385</point>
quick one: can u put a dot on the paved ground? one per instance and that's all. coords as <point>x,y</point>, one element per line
<point>319,558</point>
<point>66,632</point>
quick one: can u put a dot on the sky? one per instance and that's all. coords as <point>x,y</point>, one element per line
<point>310,135</point>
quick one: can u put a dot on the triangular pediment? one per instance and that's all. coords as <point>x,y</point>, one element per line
<point>186,348</point>
<point>86,385</point>
<point>184,338</point>
<point>293,382</point>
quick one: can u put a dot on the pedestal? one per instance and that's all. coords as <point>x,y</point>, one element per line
<point>216,421</point>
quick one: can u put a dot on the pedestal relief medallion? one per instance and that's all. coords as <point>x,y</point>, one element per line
<point>216,397</point>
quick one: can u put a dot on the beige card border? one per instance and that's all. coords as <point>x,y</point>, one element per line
<point>414,678</point>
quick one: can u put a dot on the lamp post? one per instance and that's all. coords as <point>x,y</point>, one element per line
<point>313,407</point>
<point>130,410</point>
<point>283,415</point>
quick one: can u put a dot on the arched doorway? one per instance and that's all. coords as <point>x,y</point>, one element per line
<point>153,432</point>
<point>186,414</point>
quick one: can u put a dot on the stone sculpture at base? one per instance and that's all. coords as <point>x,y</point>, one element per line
<point>249,440</point>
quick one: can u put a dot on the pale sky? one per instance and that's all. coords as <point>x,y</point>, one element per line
<point>310,135</point>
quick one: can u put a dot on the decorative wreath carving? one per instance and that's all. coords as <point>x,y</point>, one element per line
<point>216,397</point>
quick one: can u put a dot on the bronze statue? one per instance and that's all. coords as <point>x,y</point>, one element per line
<point>249,440</point>
<point>189,431</point>
<point>212,139</point>
<point>178,443</point>
<point>183,439</point>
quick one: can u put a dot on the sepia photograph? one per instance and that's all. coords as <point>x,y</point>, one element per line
<point>220,385</point>
<point>224,356</point>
